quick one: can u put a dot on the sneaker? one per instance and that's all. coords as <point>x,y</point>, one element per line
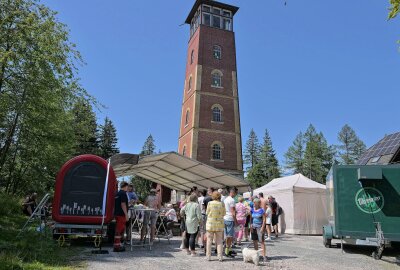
<point>246,240</point>
<point>182,246</point>
<point>268,239</point>
<point>208,258</point>
<point>220,259</point>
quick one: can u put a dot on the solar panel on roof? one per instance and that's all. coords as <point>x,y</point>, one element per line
<point>389,145</point>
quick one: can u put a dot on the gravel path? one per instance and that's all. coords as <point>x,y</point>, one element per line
<point>287,252</point>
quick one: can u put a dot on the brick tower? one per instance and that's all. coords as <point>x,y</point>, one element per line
<point>210,121</point>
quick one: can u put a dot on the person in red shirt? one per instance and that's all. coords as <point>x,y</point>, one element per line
<point>121,216</point>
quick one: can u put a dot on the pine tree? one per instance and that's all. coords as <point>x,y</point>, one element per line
<point>267,159</point>
<point>108,139</point>
<point>252,150</point>
<point>350,147</point>
<point>149,146</point>
<point>85,127</point>
<point>318,156</point>
<point>142,185</point>
<point>295,155</point>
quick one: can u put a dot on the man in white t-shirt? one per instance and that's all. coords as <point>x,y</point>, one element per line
<point>230,221</point>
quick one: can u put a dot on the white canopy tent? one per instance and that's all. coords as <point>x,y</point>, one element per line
<point>303,202</point>
<point>176,172</point>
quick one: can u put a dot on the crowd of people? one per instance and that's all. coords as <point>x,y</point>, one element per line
<point>221,217</point>
<point>227,219</point>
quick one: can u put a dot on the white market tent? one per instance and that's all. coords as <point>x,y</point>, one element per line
<point>303,202</point>
<point>176,172</point>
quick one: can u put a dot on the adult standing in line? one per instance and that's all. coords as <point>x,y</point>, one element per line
<point>152,201</point>
<point>183,224</point>
<point>192,214</point>
<point>249,204</point>
<point>121,216</point>
<point>241,214</point>
<point>132,199</point>
<point>201,235</point>
<point>207,199</point>
<point>268,220</point>
<point>215,225</point>
<point>257,227</point>
<point>275,216</point>
<point>262,201</point>
<point>230,221</point>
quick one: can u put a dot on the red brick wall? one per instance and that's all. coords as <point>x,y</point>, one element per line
<point>229,154</point>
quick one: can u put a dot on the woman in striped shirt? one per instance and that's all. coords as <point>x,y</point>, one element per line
<point>215,224</point>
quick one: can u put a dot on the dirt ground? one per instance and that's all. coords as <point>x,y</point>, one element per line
<point>286,252</point>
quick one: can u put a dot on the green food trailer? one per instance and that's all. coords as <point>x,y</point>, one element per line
<point>363,205</point>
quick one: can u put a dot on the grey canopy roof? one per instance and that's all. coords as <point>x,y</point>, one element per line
<point>176,172</point>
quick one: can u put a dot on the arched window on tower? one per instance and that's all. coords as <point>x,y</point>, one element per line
<point>216,78</point>
<point>187,117</point>
<point>216,152</point>
<point>192,57</point>
<point>190,83</point>
<point>216,114</point>
<point>217,52</point>
<point>184,150</point>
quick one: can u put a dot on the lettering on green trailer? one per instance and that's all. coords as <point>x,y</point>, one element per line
<point>369,200</point>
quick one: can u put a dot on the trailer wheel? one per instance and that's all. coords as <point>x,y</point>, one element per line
<point>327,242</point>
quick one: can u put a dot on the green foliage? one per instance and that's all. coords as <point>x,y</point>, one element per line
<point>252,150</point>
<point>142,186</point>
<point>350,147</point>
<point>46,117</point>
<point>108,139</point>
<point>394,8</point>
<point>85,129</point>
<point>32,250</point>
<point>295,155</point>
<point>149,146</point>
<point>264,165</point>
<point>310,155</point>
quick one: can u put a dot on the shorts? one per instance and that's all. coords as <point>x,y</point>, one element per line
<point>183,225</point>
<point>275,219</point>
<point>247,222</point>
<point>229,228</point>
<point>256,235</point>
<point>150,217</point>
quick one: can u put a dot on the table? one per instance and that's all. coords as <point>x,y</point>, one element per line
<point>138,215</point>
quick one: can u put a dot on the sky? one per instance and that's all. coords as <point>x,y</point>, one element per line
<point>328,63</point>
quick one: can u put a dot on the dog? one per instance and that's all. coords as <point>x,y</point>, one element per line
<point>251,255</point>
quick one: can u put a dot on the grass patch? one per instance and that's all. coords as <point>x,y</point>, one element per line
<point>32,250</point>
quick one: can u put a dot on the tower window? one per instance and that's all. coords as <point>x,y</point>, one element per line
<point>206,8</point>
<point>206,19</point>
<point>216,114</point>
<point>190,83</point>
<point>216,21</point>
<point>216,11</point>
<point>216,152</point>
<point>192,57</point>
<point>187,117</point>
<point>217,52</point>
<point>216,79</point>
<point>184,150</point>
<point>227,23</point>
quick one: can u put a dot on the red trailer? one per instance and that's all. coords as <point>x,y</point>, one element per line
<point>84,194</point>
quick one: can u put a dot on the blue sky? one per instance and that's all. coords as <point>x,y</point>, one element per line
<point>323,62</point>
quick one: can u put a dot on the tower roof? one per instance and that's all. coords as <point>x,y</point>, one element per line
<point>196,5</point>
